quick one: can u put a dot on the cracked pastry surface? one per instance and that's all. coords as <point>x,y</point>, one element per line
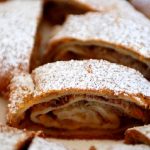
<point>61,98</point>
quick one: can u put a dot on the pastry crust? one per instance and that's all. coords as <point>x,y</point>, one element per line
<point>18,37</point>
<point>98,35</point>
<point>14,139</point>
<point>139,134</point>
<point>65,89</point>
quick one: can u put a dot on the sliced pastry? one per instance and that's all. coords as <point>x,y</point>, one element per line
<point>19,21</point>
<point>121,38</point>
<point>41,144</point>
<point>14,139</point>
<point>139,134</point>
<point>80,99</point>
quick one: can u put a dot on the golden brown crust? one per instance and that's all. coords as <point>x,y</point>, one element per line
<point>18,41</point>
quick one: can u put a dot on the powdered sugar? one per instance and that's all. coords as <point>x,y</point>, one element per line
<point>18,26</point>
<point>103,75</point>
<point>129,31</point>
<point>11,138</point>
<point>41,144</point>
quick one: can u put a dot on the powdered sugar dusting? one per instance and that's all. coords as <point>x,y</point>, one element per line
<point>10,138</point>
<point>128,30</point>
<point>39,144</point>
<point>18,25</point>
<point>103,5</point>
<point>21,86</point>
<point>103,75</point>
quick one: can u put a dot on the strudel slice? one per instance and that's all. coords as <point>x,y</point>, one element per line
<point>19,21</point>
<point>139,134</point>
<point>117,37</point>
<point>14,139</point>
<point>80,99</point>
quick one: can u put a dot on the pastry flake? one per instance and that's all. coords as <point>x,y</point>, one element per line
<point>61,98</point>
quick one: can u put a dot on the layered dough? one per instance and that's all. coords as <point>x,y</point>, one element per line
<point>80,99</point>
<point>115,36</point>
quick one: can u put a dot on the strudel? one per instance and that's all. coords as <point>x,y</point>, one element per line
<point>117,37</point>
<point>80,99</point>
<point>19,40</point>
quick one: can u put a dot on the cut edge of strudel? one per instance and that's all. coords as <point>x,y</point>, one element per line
<point>20,38</point>
<point>14,139</point>
<point>117,37</point>
<point>80,99</point>
<point>140,134</point>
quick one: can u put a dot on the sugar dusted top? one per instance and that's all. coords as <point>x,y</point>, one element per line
<point>18,27</point>
<point>129,31</point>
<point>90,74</point>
